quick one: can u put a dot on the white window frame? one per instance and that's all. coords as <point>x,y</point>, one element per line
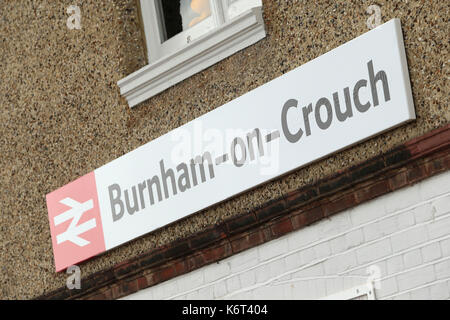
<point>171,62</point>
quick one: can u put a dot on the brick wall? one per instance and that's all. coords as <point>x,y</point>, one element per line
<point>404,234</point>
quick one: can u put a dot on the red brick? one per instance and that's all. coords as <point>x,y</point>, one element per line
<point>215,254</point>
<point>124,288</point>
<point>195,261</point>
<point>430,135</point>
<point>369,169</point>
<point>104,294</point>
<point>142,283</point>
<point>165,273</point>
<point>238,224</point>
<point>398,181</point>
<point>151,279</point>
<point>206,238</point>
<point>248,241</point>
<point>176,249</point>
<point>152,259</point>
<point>438,163</point>
<point>282,227</point>
<point>99,296</point>
<point>415,150</point>
<point>267,234</point>
<point>124,269</point>
<point>338,205</point>
<point>108,294</point>
<point>416,173</point>
<point>398,156</point>
<point>128,287</point>
<point>255,238</point>
<point>191,263</point>
<point>447,162</point>
<point>434,166</point>
<point>435,141</point>
<point>240,244</point>
<point>307,217</point>
<point>272,210</point>
<point>199,260</point>
<point>181,267</point>
<point>300,197</point>
<point>372,191</point>
<point>338,182</point>
<point>115,291</point>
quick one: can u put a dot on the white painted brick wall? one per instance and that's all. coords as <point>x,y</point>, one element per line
<point>405,234</point>
<point>412,258</point>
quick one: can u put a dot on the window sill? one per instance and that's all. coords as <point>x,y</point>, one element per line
<point>217,45</point>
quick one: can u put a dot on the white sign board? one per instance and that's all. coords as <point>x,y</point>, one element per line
<point>341,98</point>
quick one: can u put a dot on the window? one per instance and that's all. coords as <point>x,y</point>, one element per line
<point>184,37</point>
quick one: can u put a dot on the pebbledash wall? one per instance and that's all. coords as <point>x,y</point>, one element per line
<point>382,205</point>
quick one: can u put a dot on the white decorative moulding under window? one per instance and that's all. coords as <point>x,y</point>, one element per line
<point>184,37</point>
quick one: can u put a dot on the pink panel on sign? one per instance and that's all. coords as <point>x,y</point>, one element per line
<point>75,222</point>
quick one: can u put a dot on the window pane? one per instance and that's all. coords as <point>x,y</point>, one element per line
<point>180,15</point>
